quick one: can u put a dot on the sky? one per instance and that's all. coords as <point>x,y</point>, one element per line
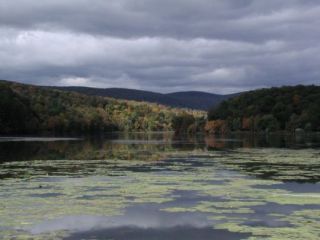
<point>218,46</point>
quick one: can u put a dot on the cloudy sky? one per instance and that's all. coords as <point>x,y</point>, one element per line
<point>219,46</point>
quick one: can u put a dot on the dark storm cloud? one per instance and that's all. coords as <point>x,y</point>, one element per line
<point>211,45</point>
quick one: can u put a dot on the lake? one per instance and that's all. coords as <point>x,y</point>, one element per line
<point>158,186</point>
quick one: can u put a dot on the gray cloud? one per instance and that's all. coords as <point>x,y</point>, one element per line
<point>211,45</point>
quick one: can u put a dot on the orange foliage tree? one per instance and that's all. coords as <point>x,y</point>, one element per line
<point>216,126</point>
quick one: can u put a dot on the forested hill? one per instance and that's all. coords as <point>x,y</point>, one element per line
<point>285,108</point>
<point>200,100</point>
<point>32,109</point>
<point>192,99</point>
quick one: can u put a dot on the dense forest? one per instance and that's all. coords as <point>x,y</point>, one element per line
<point>285,108</point>
<point>26,109</point>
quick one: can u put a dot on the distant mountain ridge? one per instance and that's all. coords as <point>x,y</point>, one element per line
<point>189,99</point>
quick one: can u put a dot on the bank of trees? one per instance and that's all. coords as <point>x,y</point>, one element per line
<point>285,108</point>
<point>16,115</point>
<point>31,109</point>
<point>186,123</point>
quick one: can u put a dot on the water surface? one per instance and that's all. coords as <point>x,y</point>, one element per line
<point>157,186</point>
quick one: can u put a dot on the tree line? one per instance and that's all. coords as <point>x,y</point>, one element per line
<point>31,109</point>
<point>26,109</point>
<point>274,109</point>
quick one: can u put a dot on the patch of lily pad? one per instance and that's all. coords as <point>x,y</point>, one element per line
<point>107,187</point>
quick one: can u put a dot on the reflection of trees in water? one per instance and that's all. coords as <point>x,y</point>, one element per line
<point>249,140</point>
<point>214,143</point>
<point>90,149</point>
<point>144,146</point>
<point>148,149</point>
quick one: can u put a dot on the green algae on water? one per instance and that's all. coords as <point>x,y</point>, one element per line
<point>232,187</point>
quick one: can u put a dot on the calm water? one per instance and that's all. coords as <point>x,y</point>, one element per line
<point>156,186</point>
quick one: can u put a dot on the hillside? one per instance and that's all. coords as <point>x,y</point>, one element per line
<point>192,100</point>
<point>32,109</point>
<point>285,108</point>
<point>200,100</point>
